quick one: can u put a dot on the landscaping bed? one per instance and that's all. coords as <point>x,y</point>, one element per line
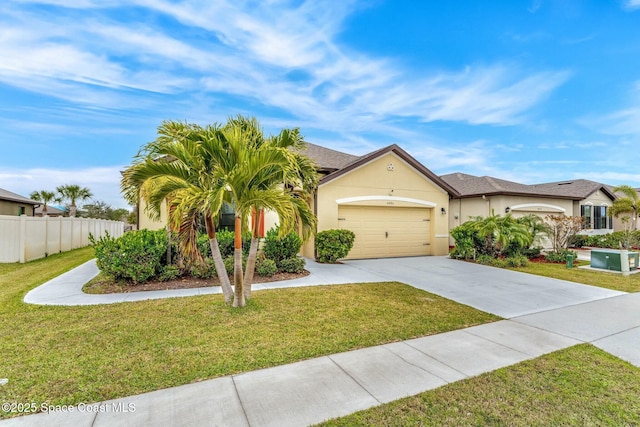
<point>105,285</point>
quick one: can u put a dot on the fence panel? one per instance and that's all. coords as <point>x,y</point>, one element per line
<point>10,238</point>
<point>27,238</point>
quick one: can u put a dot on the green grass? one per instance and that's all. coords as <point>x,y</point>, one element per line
<point>578,386</point>
<point>603,279</point>
<point>68,355</point>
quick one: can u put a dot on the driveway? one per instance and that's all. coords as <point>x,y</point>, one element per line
<point>494,290</point>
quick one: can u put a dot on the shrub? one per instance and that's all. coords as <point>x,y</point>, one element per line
<point>559,256</point>
<point>203,270</point>
<point>331,245</point>
<point>517,261</point>
<point>532,252</point>
<point>499,262</point>
<point>467,241</point>
<point>281,248</point>
<point>267,268</point>
<point>485,259</point>
<point>292,265</point>
<point>169,272</point>
<point>137,256</point>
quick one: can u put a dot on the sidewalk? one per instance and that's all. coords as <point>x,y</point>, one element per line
<point>551,315</point>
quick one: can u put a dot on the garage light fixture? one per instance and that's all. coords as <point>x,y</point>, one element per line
<point>443,211</point>
<point>507,209</point>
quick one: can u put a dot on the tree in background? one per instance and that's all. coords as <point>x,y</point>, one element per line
<point>562,229</point>
<point>102,210</point>
<point>45,197</point>
<point>626,208</point>
<point>73,193</point>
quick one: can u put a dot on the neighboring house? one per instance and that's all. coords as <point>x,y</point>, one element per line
<point>482,196</point>
<point>52,211</point>
<point>15,204</point>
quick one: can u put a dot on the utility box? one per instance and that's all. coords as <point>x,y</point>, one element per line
<point>610,259</point>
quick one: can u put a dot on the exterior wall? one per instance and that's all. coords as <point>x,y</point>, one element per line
<point>598,199</point>
<point>144,221</point>
<point>377,185</point>
<point>8,207</point>
<point>463,209</point>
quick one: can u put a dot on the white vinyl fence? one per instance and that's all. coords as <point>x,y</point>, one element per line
<point>25,238</point>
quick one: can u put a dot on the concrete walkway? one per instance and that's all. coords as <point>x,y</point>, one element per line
<point>544,315</point>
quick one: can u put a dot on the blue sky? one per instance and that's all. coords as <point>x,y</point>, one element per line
<point>531,91</point>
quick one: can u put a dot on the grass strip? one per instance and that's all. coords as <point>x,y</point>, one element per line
<point>578,386</point>
<point>602,279</point>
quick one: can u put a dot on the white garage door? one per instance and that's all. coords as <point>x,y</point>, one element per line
<point>383,232</point>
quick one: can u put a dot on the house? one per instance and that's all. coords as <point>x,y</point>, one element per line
<point>15,204</point>
<point>52,211</point>
<point>484,195</point>
<point>393,203</point>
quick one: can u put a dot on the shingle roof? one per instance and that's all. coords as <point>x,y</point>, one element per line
<point>470,186</point>
<point>13,197</point>
<point>328,160</point>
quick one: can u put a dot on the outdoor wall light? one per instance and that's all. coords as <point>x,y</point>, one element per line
<point>443,211</point>
<point>507,209</point>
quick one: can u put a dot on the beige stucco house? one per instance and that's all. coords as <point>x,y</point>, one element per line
<point>482,196</point>
<point>15,204</point>
<point>393,203</point>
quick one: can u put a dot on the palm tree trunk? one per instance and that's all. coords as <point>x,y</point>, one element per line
<point>217,261</point>
<point>72,210</point>
<point>238,301</point>
<point>253,254</point>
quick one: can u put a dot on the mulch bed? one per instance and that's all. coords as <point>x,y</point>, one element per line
<point>186,282</point>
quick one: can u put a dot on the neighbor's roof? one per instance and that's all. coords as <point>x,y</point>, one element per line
<point>13,197</point>
<point>472,186</point>
<point>51,210</point>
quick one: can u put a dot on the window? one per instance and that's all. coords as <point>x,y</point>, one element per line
<point>599,217</point>
<point>585,212</point>
<point>21,210</point>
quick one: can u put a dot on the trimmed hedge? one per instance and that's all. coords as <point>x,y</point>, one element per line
<point>332,245</point>
<point>281,248</point>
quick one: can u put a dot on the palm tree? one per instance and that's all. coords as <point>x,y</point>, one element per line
<point>626,208</point>
<point>73,193</point>
<point>296,178</point>
<point>259,174</point>
<point>45,197</point>
<point>180,167</point>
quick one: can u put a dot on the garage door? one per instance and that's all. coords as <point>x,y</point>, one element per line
<point>387,232</point>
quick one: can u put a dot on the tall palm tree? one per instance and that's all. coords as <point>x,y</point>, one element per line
<point>296,178</point>
<point>258,175</point>
<point>180,167</point>
<point>45,197</point>
<point>73,193</point>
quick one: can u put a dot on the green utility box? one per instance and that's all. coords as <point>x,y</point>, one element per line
<point>570,258</point>
<point>610,259</point>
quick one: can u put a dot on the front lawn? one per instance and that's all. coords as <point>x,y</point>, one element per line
<point>68,355</point>
<point>603,279</point>
<point>578,386</point>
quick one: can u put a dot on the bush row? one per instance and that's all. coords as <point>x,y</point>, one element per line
<point>614,240</point>
<point>140,256</point>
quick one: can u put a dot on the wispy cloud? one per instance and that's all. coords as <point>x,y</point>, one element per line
<point>631,4</point>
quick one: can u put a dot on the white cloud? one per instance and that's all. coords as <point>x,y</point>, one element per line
<point>631,4</point>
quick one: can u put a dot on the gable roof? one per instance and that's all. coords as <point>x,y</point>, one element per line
<point>473,186</point>
<point>13,197</point>
<point>394,148</point>
<point>51,211</point>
